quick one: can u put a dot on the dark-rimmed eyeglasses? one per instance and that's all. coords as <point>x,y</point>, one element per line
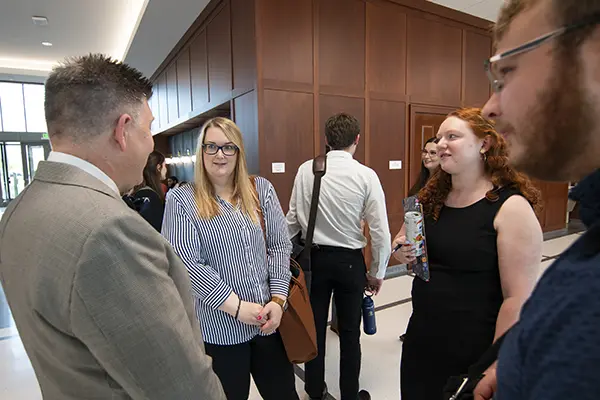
<point>228,149</point>
<point>493,74</point>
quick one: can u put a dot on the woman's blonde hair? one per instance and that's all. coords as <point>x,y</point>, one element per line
<point>244,194</point>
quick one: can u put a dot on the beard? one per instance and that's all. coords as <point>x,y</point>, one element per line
<point>559,127</point>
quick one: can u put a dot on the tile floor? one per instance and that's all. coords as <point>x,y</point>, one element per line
<point>381,352</point>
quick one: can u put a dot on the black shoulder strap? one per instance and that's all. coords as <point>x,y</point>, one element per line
<point>488,358</point>
<point>477,370</point>
<point>319,169</point>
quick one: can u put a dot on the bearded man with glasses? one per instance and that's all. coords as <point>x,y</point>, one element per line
<point>546,102</point>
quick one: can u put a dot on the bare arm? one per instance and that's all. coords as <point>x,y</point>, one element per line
<point>519,256</point>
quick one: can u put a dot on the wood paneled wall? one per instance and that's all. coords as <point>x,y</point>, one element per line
<point>214,64</point>
<point>372,59</point>
<point>286,66</point>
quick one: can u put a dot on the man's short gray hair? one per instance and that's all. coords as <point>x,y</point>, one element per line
<point>85,96</point>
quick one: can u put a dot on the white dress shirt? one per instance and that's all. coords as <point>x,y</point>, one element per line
<point>350,193</point>
<point>90,168</point>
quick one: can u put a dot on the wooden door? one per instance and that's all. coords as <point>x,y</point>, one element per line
<point>425,122</point>
<point>553,215</point>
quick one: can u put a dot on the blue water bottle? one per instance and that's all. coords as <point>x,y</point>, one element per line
<point>368,310</point>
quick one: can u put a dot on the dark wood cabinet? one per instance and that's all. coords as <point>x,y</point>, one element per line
<point>218,38</point>
<point>199,72</point>
<point>172,102</point>
<point>184,84</point>
<point>243,45</point>
<point>161,91</point>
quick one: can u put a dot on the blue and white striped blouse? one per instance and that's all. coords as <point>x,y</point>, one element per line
<point>227,254</point>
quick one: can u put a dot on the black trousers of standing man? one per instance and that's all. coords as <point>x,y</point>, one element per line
<point>343,272</point>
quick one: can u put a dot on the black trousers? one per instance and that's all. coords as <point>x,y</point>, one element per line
<point>264,357</point>
<point>343,272</point>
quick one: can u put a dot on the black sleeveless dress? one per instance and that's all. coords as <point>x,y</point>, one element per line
<point>454,314</point>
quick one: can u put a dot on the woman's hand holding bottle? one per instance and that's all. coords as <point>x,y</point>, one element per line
<point>404,251</point>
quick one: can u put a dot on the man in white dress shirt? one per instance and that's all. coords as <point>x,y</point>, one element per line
<point>350,193</point>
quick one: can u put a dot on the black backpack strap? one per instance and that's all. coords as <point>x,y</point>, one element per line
<point>488,358</point>
<point>319,169</point>
<point>476,371</point>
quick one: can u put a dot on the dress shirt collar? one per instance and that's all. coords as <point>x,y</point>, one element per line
<point>339,154</point>
<point>90,168</point>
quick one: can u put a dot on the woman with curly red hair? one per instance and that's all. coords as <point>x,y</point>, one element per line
<point>484,245</point>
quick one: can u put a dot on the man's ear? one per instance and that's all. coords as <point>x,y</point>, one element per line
<point>121,132</point>
<point>357,139</point>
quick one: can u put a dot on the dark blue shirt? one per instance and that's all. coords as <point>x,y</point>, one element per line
<point>554,351</point>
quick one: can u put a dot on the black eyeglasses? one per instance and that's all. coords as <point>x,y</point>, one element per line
<point>498,81</point>
<point>228,149</point>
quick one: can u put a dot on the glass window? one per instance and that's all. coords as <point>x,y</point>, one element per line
<point>34,108</point>
<point>16,176</point>
<point>35,154</point>
<point>13,112</point>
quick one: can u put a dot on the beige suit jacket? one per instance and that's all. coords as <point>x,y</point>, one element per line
<point>102,303</point>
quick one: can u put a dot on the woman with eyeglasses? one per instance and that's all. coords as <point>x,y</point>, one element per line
<point>429,164</point>
<point>240,281</point>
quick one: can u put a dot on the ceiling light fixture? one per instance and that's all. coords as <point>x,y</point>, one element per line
<point>39,21</point>
<point>47,44</point>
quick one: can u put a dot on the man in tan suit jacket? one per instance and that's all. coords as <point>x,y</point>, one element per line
<point>102,303</point>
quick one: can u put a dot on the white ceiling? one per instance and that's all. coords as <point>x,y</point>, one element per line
<point>75,27</point>
<point>142,32</point>
<point>161,28</point>
<point>486,9</point>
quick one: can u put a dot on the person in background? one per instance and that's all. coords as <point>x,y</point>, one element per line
<point>338,265</point>
<point>430,163</point>
<point>172,182</point>
<point>149,194</point>
<point>546,102</point>
<point>102,303</point>
<point>240,281</point>
<point>484,244</point>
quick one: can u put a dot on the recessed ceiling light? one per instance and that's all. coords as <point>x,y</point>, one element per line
<point>39,21</point>
<point>47,44</point>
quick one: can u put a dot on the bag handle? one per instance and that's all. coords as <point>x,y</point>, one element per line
<point>319,170</point>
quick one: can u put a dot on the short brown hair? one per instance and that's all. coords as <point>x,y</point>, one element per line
<point>564,12</point>
<point>341,131</point>
<point>86,95</point>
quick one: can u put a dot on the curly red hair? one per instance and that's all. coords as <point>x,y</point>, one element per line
<point>434,194</point>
